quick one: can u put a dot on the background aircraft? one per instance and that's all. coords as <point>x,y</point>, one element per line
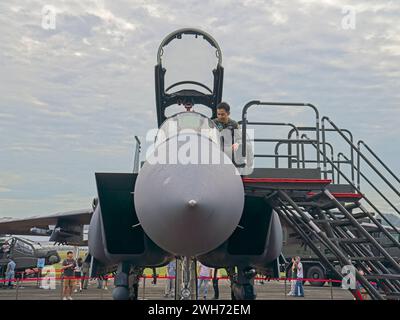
<point>25,253</point>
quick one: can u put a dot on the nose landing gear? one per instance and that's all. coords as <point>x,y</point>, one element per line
<point>242,283</point>
<point>186,275</point>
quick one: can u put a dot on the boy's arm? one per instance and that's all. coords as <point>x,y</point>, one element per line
<point>64,265</point>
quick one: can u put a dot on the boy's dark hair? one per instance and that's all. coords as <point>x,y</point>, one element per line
<point>69,252</point>
<point>225,106</point>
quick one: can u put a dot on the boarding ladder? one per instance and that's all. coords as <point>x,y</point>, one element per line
<point>324,211</point>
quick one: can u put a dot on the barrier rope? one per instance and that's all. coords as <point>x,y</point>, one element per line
<point>31,279</point>
<point>49,278</point>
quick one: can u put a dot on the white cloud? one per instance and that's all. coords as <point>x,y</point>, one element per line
<point>71,99</point>
<point>9,180</point>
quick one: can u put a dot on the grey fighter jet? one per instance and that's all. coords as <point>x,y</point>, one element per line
<point>187,201</point>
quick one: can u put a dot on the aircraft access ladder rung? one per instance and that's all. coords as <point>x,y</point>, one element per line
<point>394,296</point>
<point>358,215</point>
<point>379,258</point>
<point>341,196</point>
<point>334,222</point>
<point>383,276</point>
<point>389,245</point>
<point>352,206</point>
<point>350,240</point>
<point>285,184</point>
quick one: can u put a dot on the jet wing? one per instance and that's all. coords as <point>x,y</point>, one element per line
<point>24,226</point>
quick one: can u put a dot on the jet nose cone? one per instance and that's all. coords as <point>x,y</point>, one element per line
<point>192,203</point>
<point>188,209</point>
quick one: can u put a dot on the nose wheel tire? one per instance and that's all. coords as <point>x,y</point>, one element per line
<point>186,275</point>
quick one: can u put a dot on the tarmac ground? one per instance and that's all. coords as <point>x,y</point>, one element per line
<point>269,290</point>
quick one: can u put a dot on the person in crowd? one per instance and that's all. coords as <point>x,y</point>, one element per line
<point>78,274</point>
<point>205,274</point>
<point>170,283</point>
<point>299,290</point>
<point>10,272</point>
<point>215,279</point>
<point>68,267</point>
<point>293,278</point>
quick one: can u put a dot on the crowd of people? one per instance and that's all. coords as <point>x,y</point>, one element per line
<point>204,275</point>
<point>75,278</point>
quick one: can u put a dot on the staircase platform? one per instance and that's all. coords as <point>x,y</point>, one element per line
<point>286,183</point>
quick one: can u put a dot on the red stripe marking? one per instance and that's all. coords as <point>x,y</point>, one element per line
<point>341,195</point>
<point>164,277</point>
<point>284,180</point>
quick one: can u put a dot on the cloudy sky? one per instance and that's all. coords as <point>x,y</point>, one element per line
<point>72,98</point>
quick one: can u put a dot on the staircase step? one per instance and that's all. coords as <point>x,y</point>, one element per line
<point>352,206</point>
<point>334,222</point>
<point>341,196</point>
<point>378,258</point>
<point>358,215</point>
<point>351,240</point>
<point>389,245</point>
<point>393,296</point>
<point>388,276</point>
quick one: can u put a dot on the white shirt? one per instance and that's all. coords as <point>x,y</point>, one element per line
<point>204,271</point>
<point>78,268</point>
<point>300,270</point>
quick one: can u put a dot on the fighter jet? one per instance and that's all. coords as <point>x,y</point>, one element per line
<point>186,201</point>
<point>63,227</point>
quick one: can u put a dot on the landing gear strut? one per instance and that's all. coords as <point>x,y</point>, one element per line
<point>185,284</point>
<point>134,279</point>
<point>127,282</point>
<point>242,283</point>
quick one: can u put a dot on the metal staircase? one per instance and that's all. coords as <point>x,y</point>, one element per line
<point>314,203</point>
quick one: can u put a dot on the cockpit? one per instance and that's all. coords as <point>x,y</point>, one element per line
<point>194,123</point>
<point>189,122</point>
<point>196,84</point>
<point>188,71</point>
